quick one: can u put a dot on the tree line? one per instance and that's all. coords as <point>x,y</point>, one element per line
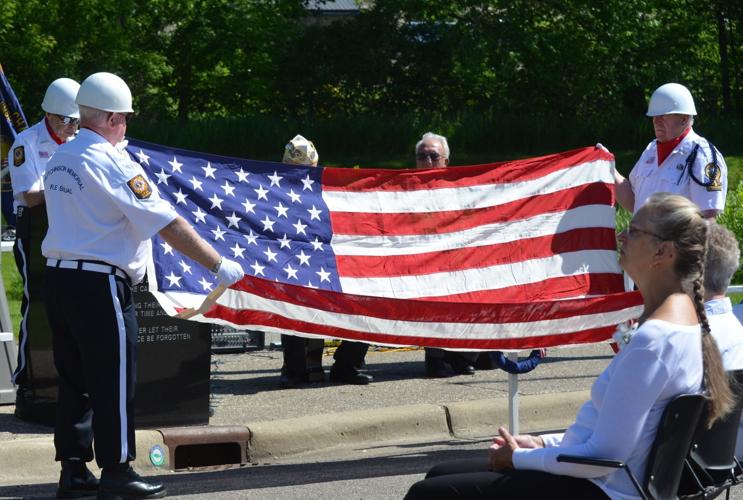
<point>191,60</point>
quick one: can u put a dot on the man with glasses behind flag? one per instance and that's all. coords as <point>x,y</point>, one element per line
<point>27,161</point>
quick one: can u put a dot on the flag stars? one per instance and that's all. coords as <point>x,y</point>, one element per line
<point>270,255</point>
<point>252,238</point>
<point>206,285</point>
<point>218,233</point>
<point>281,210</point>
<point>307,183</point>
<point>268,224</point>
<point>200,215</point>
<point>249,207</point>
<point>167,249</point>
<point>216,201</point>
<point>209,171</point>
<point>174,280</point>
<point>229,189</point>
<point>316,244</point>
<point>261,192</point>
<point>143,158</point>
<point>304,259</point>
<point>233,220</point>
<point>162,177</point>
<point>294,197</point>
<point>284,242</point>
<point>310,285</point>
<point>323,274</point>
<point>196,184</point>
<point>290,272</point>
<point>180,197</point>
<point>186,268</point>
<point>275,179</point>
<point>257,269</point>
<point>300,227</point>
<point>242,175</point>
<point>176,165</point>
<point>314,213</point>
<point>238,251</point>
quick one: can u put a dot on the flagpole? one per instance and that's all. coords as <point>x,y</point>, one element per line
<point>513,397</point>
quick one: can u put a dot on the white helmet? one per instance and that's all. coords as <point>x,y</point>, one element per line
<point>107,92</point>
<point>671,98</point>
<point>300,151</point>
<point>60,98</point>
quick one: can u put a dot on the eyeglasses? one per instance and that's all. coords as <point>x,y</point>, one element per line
<point>632,231</point>
<point>434,157</point>
<point>68,120</point>
<point>127,116</point>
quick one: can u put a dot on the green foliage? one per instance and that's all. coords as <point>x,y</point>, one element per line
<point>732,217</point>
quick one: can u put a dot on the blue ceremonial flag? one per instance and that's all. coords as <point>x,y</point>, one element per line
<point>12,121</point>
<point>512,255</point>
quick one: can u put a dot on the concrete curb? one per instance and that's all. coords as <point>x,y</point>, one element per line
<point>32,460</point>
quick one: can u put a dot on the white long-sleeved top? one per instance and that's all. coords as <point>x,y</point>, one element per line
<point>662,361</point>
<point>728,333</point>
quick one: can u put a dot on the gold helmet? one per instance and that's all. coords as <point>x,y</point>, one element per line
<point>300,151</point>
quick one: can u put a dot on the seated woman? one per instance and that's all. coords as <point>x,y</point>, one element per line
<point>670,353</point>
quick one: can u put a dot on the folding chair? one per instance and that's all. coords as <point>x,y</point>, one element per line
<point>667,456</point>
<point>711,464</point>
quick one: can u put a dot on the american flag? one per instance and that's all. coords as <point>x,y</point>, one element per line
<point>510,255</point>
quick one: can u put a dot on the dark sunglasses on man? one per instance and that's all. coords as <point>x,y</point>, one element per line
<point>68,120</point>
<point>430,156</point>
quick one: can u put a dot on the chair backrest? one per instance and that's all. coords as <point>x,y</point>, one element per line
<point>671,446</point>
<point>713,448</point>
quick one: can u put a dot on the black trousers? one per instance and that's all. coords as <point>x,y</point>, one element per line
<point>300,352</point>
<point>34,331</point>
<point>94,329</point>
<point>471,479</point>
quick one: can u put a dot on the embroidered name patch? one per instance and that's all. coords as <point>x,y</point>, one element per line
<point>19,156</point>
<point>714,174</point>
<point>140,187</point>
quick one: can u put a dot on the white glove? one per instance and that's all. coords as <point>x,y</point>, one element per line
<point>229,272</point>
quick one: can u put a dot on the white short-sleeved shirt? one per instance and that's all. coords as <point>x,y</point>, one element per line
<point>27,161</point>
<point>101,206</point>
<point>663,360</point>
<point>647,177</point>
<point>724,321</point>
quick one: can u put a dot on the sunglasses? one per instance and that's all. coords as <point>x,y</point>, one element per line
<point>428,156</point>
<point>127,116</point>
<point>68,120</point>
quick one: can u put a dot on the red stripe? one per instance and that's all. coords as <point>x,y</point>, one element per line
<point>259,318</point>
<point>368,266</point>
<point>430,311</point>
<point>564,287</point>
<point>360,180</point>
<point>378,224</point>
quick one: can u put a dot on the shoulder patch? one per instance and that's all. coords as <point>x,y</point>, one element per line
<point>19,156</point>
<point>140,187</point>
<point>713,173</point>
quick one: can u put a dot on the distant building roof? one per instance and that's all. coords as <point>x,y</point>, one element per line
<point>333,6</point>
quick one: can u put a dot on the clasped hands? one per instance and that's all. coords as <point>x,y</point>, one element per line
<point>500,452</point>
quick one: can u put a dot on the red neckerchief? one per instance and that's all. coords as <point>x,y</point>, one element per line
<point>51,132</point>
<point>665,148</point>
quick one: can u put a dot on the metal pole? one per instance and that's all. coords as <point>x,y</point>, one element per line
<point>513,397</point>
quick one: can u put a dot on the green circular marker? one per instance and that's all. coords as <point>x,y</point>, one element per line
<point>157,455</point>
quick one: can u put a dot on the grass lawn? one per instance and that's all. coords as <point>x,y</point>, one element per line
<point>625,160</point>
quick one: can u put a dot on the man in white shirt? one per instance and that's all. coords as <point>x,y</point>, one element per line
<point>723,258</point>
<point>678,160</point>
<point>102,213</point>
<point>27,159</point>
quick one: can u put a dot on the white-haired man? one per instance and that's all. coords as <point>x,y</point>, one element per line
<point>27,160</point>
<point>721,263</point>
<point>432,151</point>
<point>102,213</point>
<point>678,160</point>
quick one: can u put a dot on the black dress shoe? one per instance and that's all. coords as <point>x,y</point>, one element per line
<point>291,380</point>
<point>436,368</point>
<point>76,481</point>
<point>127,484</point>
<point>461,366</point>
<point>349,376</point>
